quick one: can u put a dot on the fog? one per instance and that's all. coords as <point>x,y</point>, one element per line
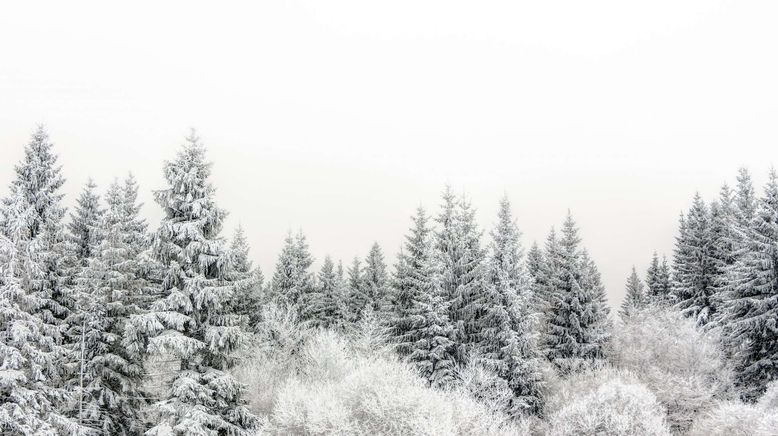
<point>341,117</point>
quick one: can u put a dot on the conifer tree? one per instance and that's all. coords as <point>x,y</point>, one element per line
<point>694,265</point>
<point>577,323</point>
<point>508,335</point>
<point>375,281</point>
<point>635,296</point>
<point>457,242</point>
<point>658,280</point>
<point>432,351</point>
<point>751,306</point>
<point>85,223</point>
<point>357,298</point>
<point>190,321</point>
<point>324,306</point>
<point>410,280</point>
<point>32,397</point>
<point>292,280</point>
<point>745,201</point>
<point>248,281</point>
<point>535,263</point>
<point>113,282</point>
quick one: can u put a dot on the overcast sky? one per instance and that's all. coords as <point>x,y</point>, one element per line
<point>341,117</point>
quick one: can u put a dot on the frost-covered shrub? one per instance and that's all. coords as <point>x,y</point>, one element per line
<point>606,402</point>
<point>487,387</point>
<point>682,365</point>
<point>326,387</point>
<point>769,400</point>
<point>276,357</point>
<point>379,396</point>
<point>736,419</point>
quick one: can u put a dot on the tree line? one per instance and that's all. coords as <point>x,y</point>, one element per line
<point>88,303</point>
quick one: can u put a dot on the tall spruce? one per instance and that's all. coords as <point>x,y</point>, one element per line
<point>324,305</point>
<point>410,281</point>
<point>577,322</point>
<point>375,282</point>
<point>247,301</point>
<point>356,299</point>
<point>190,320</point>
<point>507,335</point>
<point>112,400</point>
<point>293,280</point>
<point>751,306</point>
<point>635,297</point>
<point>693,264</point>
<point>432,350</point>
<point>658,280</point>
<point>32,396</point>
<point>457,242</point>
<point>85,223</point>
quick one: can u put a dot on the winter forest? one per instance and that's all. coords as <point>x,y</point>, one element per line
<point>112,325</point>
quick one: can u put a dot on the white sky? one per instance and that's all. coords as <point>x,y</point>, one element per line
<point>340,117</point>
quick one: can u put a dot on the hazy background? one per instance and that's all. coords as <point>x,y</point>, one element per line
<point>340,117</point>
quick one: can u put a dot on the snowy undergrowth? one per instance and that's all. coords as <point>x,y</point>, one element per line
<point>604,401</point>
<point>679,363</point>
<point>318,383</point>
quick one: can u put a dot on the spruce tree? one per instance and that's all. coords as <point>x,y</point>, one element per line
<point>693,266</point>
<point>375,282</point>
<point>248,281</point>
<point>508,335</point>
<point>323,307</point>
<point>635,297</point>
<point>357,299</point>
<point>751,306</point>
<point>292,280</point>
<point>577,322</point>
<point>457,242</point>
<point>114,285</point>
<point>32,397</point>
<point>410,281</point>
<point>745,200</point>
<point>432,351</point>
<point>190,320</point>
<point>85,223</point>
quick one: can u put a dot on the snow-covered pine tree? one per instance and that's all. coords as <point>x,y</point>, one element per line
<point>751,306</point>
<point>323,307</point>
<point>32,397</point>
<point>577,323</point>
<point>535,263</point>
<point>432,351</point>
<point>723,242</point>
<point>284,282</point>
<point>600,324</point>
<point>635,297</point>
<point>292,279</point>
<point>113,284</point>
<point>693,264</point>
<point>410,280</point>
<point>745,200</point>
<point>457,242</point>
<point>248,281</point>
<point>507,334</point>
<point>375,282</point>
<point>38,182</point>
<point>190,321</point>
<point>85,223</point>
<point>657,280</point>
<point>357,299</point>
